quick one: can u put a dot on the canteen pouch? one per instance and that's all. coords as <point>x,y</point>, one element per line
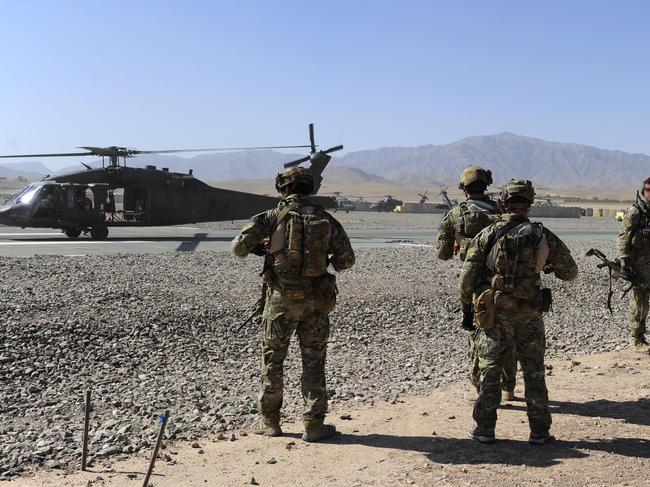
<point>485,309</point>
<point>325,292</point>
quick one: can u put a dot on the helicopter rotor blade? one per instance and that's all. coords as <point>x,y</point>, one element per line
<point>63,154</point>
<point>311,138</point>
<point>218,149</point>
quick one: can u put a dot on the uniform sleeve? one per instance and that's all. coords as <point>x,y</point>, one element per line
<point>630,224</point>
<point>559,258</point>
<point>257,229</point>
<point>446,237</point>
<point>474,270</point>
<point>340,250</point>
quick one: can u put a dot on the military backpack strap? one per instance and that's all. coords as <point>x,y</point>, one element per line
<point>501,231</point>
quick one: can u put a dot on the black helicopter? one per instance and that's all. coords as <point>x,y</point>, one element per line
<point>86,201</point>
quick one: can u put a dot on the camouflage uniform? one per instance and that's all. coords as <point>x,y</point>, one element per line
<point>634,247</point>
<point>282,316</point>
<point>518,320</point>
<point>482,211</point>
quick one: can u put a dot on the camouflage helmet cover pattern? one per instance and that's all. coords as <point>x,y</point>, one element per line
<point>475,174</point>
<point>293,175</point>
<point>519,188</point>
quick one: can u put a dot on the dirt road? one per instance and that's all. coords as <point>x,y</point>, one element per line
<point>601,412</point>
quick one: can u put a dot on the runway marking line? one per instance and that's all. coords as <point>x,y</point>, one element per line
<point>77,242</point>
<point>27,234</point>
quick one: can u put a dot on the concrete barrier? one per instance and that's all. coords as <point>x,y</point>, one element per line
<point>555,212</point>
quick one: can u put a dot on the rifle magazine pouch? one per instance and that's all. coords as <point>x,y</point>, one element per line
<point>325,292</point>
<point>485,310</point>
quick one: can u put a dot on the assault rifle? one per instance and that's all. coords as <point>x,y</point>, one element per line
<point>261,249</point>
<point>614,268</point>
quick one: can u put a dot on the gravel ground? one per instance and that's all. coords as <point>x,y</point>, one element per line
<point>153,332</point>
<point>368,220</point>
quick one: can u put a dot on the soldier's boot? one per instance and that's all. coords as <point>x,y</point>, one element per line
<point>267,427</point>
<point>640,345</point>
<point>318,432</point>
<point>507,395</point>
<point>539,439</point>
<point>482,436</point>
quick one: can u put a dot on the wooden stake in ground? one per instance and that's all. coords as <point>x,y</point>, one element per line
<point>84,449</point>
<point>163,423</point>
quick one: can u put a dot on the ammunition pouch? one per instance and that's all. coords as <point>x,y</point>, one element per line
<point>641,237</point>
<point>325,292</point>
<point>485,309</point>
<point>542,301</point>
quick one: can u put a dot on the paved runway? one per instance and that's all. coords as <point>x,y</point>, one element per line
<point>16,242</point>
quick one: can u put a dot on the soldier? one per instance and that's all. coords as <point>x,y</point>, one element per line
<point>634,250</point>
<point>500,290</point>
<point>300,293</point>
<point>457,229</point>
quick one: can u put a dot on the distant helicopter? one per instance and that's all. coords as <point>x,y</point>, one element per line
<point>387,204</point>
<point>342,202</point>
<point>86,201</point>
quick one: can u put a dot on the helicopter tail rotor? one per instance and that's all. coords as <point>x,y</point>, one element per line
<point>318,159</point>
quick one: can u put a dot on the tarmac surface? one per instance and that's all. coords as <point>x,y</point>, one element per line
<point>16,242</point>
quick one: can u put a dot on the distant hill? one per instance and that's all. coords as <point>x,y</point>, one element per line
<point>28,169</point>
<point>549,164</point>
<point>546,163</point>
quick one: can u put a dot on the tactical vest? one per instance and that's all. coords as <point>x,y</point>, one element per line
<point>475,216</point>
<point>641,237</point>
<point>300,247</point>
<point>517,259</point>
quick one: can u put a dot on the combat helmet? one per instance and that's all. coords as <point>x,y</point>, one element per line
<point>517,193</point>
<point>297,176</point>
<point>475,175</point>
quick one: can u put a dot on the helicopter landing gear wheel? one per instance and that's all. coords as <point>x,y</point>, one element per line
<point>99,232</point>
<point>72,232</point>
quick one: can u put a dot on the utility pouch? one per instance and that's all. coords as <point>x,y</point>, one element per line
<point>292,289</point>
<point>485,309</point>
<point>325,292</point>
<point>546,300</point>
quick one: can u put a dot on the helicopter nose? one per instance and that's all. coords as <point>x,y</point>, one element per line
<point>5,215</point>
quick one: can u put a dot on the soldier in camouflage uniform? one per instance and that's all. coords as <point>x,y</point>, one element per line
<point>501,274</point>
<point>634,250</point>
<point>302,240</point>
<point>457,229</point>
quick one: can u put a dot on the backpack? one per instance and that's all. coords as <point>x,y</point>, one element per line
<point>473,219</point>
<point>516,256</point>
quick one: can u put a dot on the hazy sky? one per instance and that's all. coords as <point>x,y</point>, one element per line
<point>165,74</point>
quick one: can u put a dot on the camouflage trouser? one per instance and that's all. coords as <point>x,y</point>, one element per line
<point>281,319</point>
<point>522,330</point>
<point>508,373</point>
<point>637,314</point>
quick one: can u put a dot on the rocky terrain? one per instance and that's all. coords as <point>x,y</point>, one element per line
<point>152,332</point>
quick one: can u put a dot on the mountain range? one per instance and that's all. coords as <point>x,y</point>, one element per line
<point>550,164</point>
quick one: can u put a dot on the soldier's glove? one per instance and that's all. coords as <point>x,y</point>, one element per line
<point>259,249</point>
<point>468,319</point>
<point>627,272</point>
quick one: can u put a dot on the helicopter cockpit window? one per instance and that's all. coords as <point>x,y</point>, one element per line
<point>28,196</point>
<point>16,196</point>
